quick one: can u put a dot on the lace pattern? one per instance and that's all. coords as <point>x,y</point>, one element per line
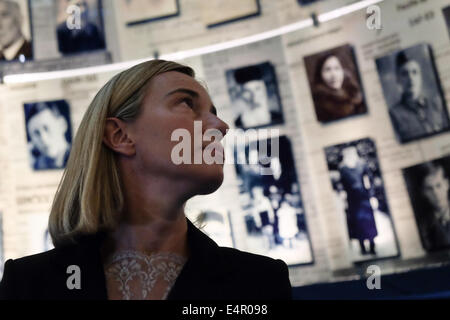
<point>136,274</point>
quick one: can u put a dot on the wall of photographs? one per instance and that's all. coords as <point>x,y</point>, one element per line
<point>362,120</point>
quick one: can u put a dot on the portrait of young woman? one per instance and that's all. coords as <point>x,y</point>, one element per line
<point>335,84</point>
<point>117,220</point>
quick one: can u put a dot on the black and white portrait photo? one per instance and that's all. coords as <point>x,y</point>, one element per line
<point>271,201</point>
<point>335,84</point>
<point>135,12</point>
<point>413,93</point>
<point>213,222</point>
<point>79,26</point>
<point>49,134</point>
<point>428,186</point>
<point>254,96</point>
<point>15,31</point>
<point>361,200</point>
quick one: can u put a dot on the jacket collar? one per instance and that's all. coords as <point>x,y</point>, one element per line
<point>200,269</point>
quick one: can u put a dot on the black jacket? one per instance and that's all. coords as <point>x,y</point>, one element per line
<point>211,273</point>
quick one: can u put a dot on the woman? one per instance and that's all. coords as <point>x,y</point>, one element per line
<point>117,220</point>
<point>336,94</point>
<point>360,216</point>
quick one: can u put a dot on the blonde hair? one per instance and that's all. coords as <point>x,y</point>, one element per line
<point>89,197</point>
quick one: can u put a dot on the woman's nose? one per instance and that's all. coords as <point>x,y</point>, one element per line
<point>214,122</point>
<point>222,126</point>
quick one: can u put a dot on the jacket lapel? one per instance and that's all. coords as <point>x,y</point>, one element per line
<point>86,255</point>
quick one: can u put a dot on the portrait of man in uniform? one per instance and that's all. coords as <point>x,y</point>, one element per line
<point>413,93</point>
<point>428,185</point>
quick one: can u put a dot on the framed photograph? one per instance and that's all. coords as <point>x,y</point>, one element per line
<point>428,187</point>
<point>49,134</point>
<point>15,36</point>
<point>413,93</point>
<point>135,12</point>
<point>254,95</point>
<point>79,26</point>
<point>360,196</point>
<point>335,84</point>
<point>271,201</point>
<point>215,223</point>
<point>219,12</point>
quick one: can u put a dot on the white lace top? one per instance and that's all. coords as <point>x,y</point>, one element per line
<point>132,275</point>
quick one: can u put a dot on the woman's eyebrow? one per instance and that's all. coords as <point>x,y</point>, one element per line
<point>190,92</point>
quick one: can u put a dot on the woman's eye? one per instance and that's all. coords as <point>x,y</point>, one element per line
<point>188,101</point>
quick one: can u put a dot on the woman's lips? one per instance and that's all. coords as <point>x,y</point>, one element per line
<point>216,148</point>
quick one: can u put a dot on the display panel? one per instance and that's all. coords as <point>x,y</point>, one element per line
<point>49,133</point>
<point>15,36</point>
<point>361,199</point>
<point>405,24</point>
<point>428,186</point>
<point>335,84</point>
<point>413,93</point>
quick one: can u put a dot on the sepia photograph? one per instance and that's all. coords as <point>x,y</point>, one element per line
<point>135,12</point>
<point>15,31</point>
<point>271,201</point>
<point>428,187</point>
<point>254,96</point>
<point>361,200</point>
<point>49,134</point>
<point>219,12</point>
<point>413,93</point>
<point>335,84</point>
<point>79,26</point>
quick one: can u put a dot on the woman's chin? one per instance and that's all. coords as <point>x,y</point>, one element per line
<point>209,179</point>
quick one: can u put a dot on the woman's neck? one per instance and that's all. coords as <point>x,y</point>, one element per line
<point>156,235</point>
<point>153,221</point>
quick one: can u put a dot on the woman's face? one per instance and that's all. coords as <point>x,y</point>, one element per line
<point>173,102</point>
<point>333,73</point>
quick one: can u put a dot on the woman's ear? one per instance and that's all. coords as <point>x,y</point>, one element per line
<point>116,137</point>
